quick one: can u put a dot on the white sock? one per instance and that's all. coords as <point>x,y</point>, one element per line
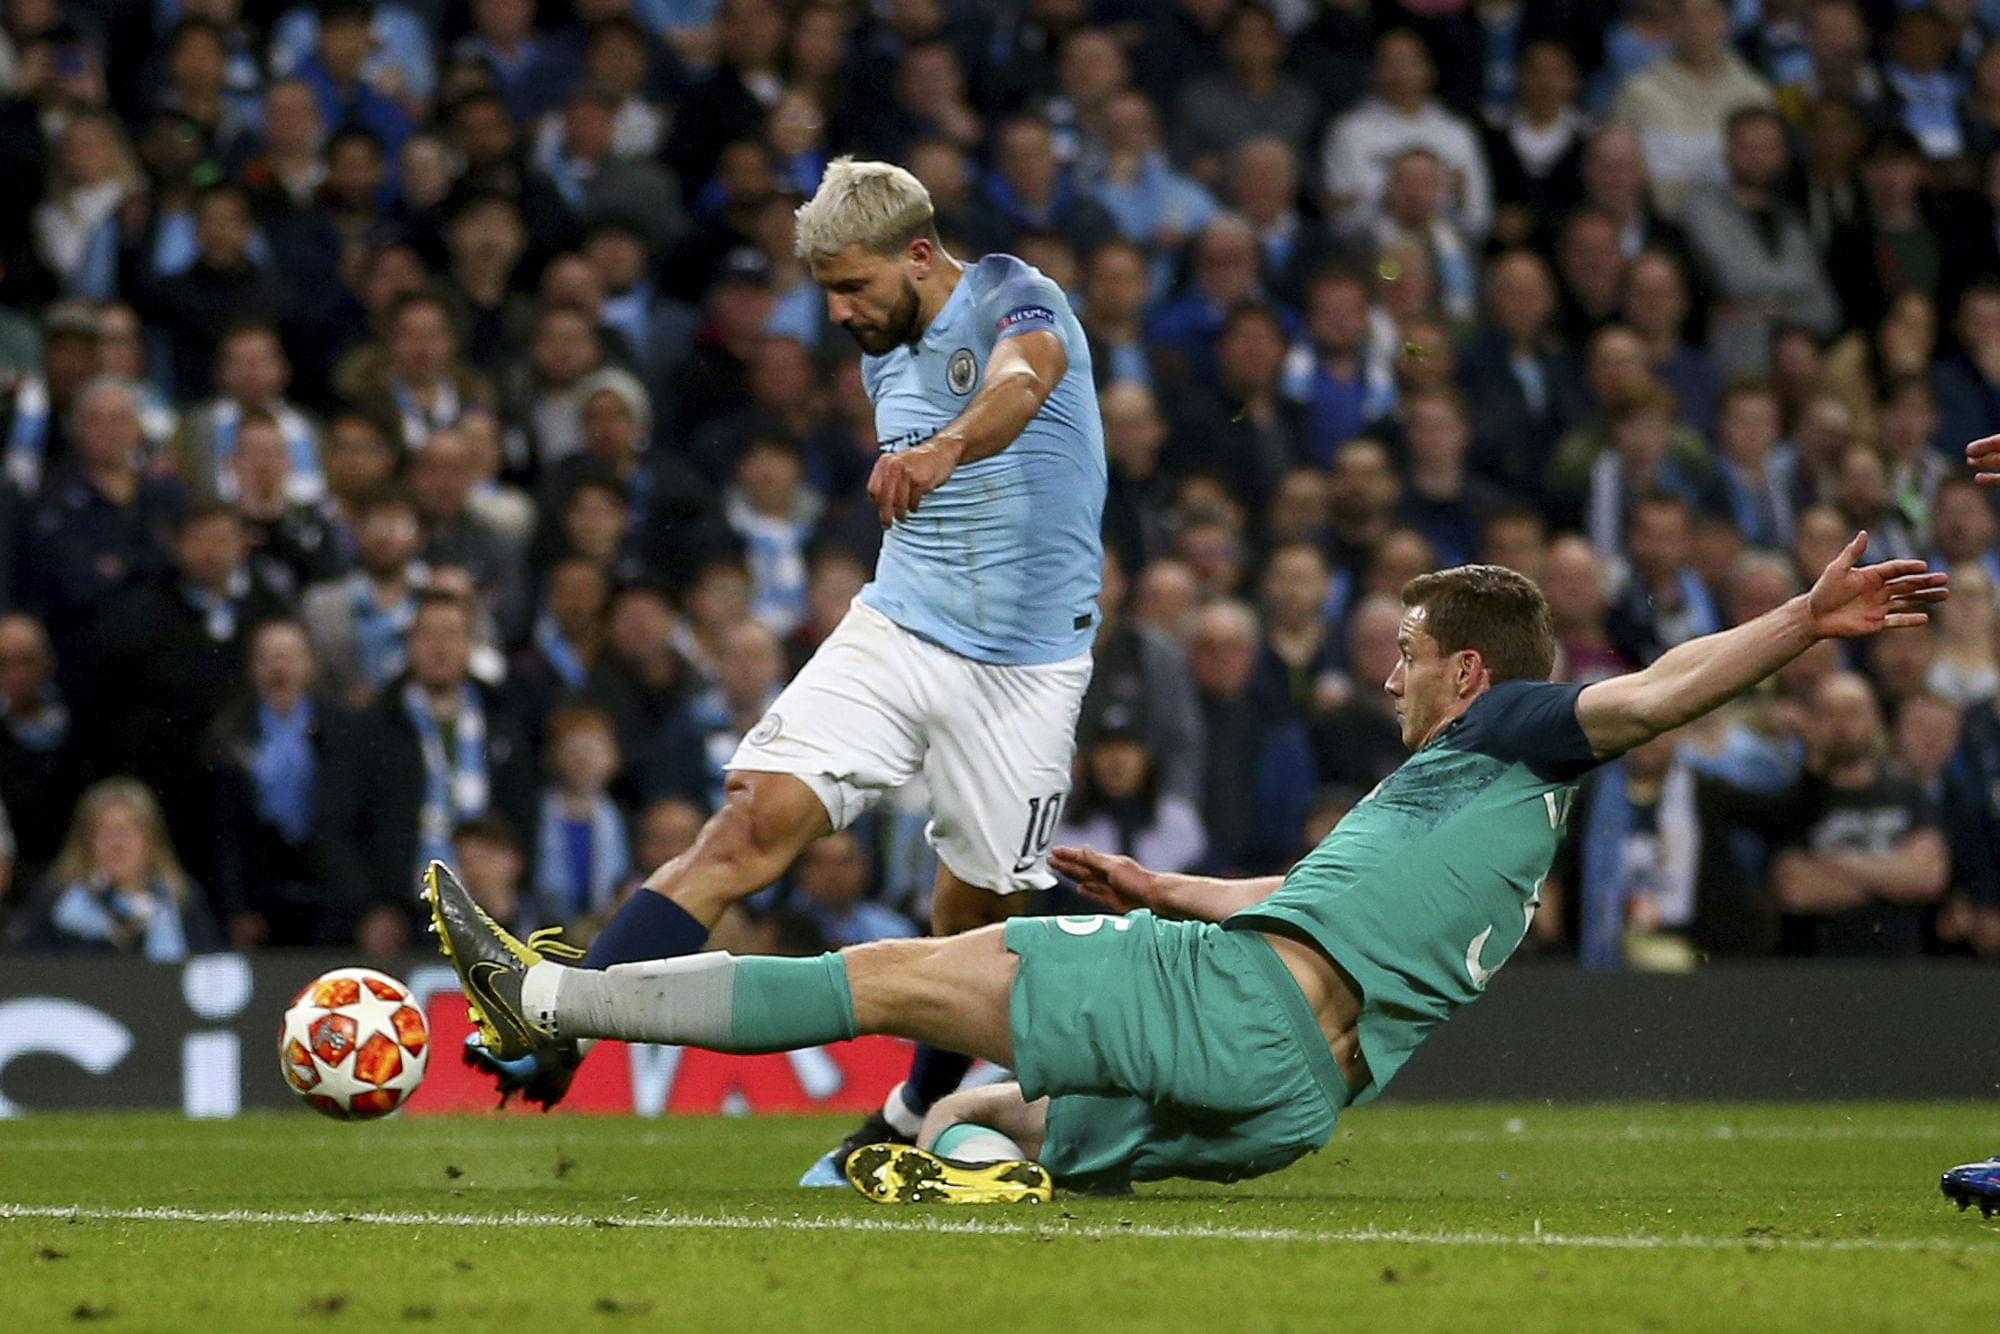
<point>688,999</point>
<point>897,1113</point>
<point>538,993</point>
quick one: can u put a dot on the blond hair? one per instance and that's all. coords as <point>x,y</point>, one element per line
<point>75,862</point>
<point>875,205</point>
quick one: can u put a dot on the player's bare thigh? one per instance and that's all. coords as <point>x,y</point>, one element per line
<point>949,991</point>
<point>958,905</point>
<point>998,1107</point>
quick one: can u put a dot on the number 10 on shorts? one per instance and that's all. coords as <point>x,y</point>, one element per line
<point>1043,815</point>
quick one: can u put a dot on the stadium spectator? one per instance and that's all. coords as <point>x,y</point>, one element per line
<point>1680,104</point>
<point>773,509</point>
<point>1658,601</point>
<point>1262,186</point>
<point>1574,582</point>
<point>251,376</point>
<point>490,862</point>
<point>1751,470</point>
<point>530,70</point>
<point>1638,463</point>
<point>1640,861</point>
<point>1411,217</point>
<point>1361,503</point>
<point>1965,671</point>
<point>442,476</point>
<point>1658,307</point>
<point>357,623</point>
<point>749,670</point>
<point>1241,429</point>
<point>1214,115</point>
<point>1907,426</point>
<point>41,405</point>
<point>1861,853</point>
<point>1864,500</point>
<point>1590,263</point>
<point>1835,139</point>
<point>1119,807</point>
<point>1615,186</point>
<point>42,762</point>
<point>1257,768</point>
<point>1140,672</point>
<point>1756,245</point>
<point>435,748</point>
<point>1355,737</point>
<point>1535,149</point>
<point>1298,660</point>
<point>1968,380</point>
<point>1443,500</point>
<point>831,882</point>
<point>1401,114</point>
<point>76,224</point>
<point>1138,501</point>
<point>1520,393</point>
<point>116,887</point>
<point>486,240</point>
<point>1330,370</point>
<point>642,680</point>
<point>585,850</point>
<point>226,284</point>
<point>1897,244</point>
<point>100,523</point>
<point>164,656</point>
<point>264,753</point>
<point>415,378</point>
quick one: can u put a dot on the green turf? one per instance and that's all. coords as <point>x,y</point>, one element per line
<point>1767,1218</point>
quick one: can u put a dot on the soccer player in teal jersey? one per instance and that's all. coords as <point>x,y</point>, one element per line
<point>1216,1028</point>
<point>966,658</point>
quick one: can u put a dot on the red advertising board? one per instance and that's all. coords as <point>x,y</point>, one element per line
<point>620,1079</point>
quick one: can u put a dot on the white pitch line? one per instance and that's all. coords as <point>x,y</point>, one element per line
<point>980,1228</point>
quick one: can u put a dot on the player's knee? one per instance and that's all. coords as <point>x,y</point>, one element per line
<point>744,835</point>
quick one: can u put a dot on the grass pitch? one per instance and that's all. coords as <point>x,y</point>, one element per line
<point>1602,1218</point>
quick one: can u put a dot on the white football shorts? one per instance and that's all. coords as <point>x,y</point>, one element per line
<point>876,705</point>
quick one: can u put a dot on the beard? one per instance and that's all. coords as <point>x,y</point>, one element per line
<point>903,325</point>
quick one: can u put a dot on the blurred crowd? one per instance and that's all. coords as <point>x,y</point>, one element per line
<point>417,437</point>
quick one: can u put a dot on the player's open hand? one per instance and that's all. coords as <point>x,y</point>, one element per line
<point>901,480</point>
<point>1984,455</point>
<point>1119,883</point>
<point>1851,599</point>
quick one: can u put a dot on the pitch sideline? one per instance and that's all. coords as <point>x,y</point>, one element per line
<point>985,1228</point>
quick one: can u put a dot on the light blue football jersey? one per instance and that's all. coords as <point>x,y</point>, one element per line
<point>1001,563</point>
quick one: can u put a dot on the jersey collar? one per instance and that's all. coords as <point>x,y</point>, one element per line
<point>933,336</point>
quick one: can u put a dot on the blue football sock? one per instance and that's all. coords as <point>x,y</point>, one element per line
<point>934,1072</point>
<point>646,926</point>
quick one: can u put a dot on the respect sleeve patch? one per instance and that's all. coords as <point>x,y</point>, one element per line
<point>1022,318</point>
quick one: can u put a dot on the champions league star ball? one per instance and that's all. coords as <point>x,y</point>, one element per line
<point>354,1044</point>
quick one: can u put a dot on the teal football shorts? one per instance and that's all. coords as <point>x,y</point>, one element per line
<point>1167,1049</point>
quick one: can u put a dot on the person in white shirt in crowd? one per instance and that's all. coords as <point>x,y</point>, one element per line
<point>1401,115</point>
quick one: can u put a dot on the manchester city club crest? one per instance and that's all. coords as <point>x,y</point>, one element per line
<point>961,371</point>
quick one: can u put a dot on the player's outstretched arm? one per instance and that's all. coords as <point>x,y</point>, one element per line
<point>1122,885</point>
<point>1018,378</point>
<point>1688,680</point>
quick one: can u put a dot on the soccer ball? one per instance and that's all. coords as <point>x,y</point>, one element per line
<point>354,1044</point>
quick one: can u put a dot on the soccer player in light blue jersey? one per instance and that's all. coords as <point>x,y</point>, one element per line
<point>966,659</point>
